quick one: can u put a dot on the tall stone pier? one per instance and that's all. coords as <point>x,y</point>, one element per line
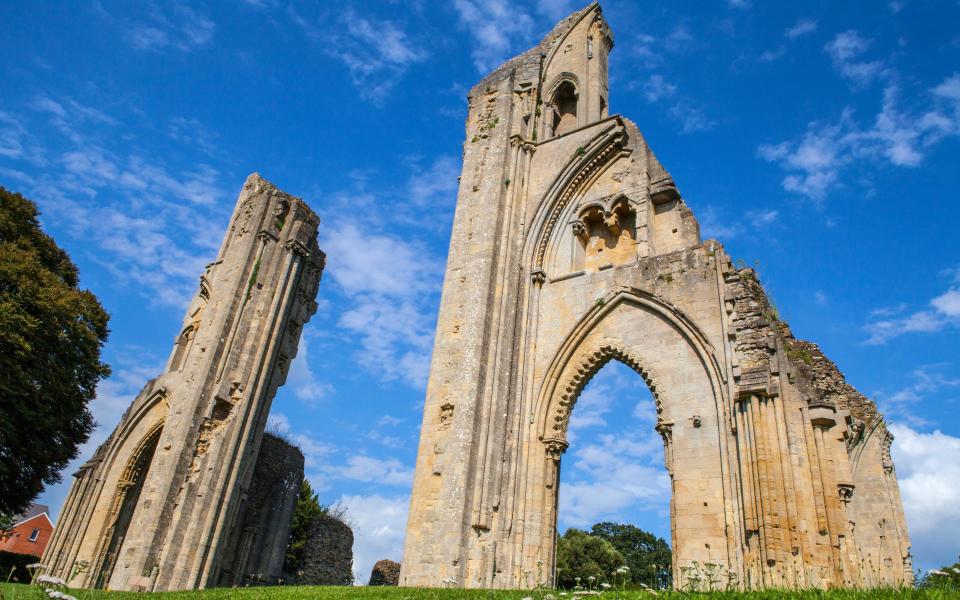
<point>572,246</point>
<point>158,504</point>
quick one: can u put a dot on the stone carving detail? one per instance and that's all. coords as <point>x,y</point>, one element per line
<point>886,444</point>
<point>222,522</point>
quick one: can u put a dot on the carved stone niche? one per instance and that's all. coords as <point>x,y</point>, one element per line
<point>607,231</point>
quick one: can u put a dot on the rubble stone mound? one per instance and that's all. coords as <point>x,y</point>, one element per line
<point>385,572</point>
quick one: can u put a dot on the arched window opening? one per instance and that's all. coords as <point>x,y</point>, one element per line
<point>614,487</point>
<point>564,109</point>
<point>181,349</point>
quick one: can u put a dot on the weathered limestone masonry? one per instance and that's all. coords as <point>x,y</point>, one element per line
<point>159,503</point>
<point>258,542</point>
<point>572,247</point>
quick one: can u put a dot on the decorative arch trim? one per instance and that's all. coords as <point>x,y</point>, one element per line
<point>572,181</point>
<point>557,397</point>
<point>565,77</point>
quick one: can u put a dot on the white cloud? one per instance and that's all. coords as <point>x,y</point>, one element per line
<point>801,28</point>
<point>741,4</point>
<point>376,52</point>
<point>691,119</point>
<point>436,185</point>
<point>657,88</point>
<point>948,303</point>
<point>815,161</point>
<point>164,26</point>
<point>495,28</point>
<point>944,312</point>
<point>365,468</point>
<point>379,525</point>
<point>820,298</point>
<point>557,9</point>
<point>390,283</point>
<point>928,471</point>
<point>926,381</point>
<point>762,217</point>
<point>845,49</point>
<point>12,136</point>
<point>306,386</point>
<point>618,473</point>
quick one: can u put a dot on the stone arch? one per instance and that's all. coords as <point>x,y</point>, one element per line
<point>587,365</point>
<point>680,367</point>
<point>123,504</point>
<point>142,425</point>
<point>563,104</point>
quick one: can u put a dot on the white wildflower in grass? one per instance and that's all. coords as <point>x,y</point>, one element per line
<point>591,578</point>
<point>68,597</point>
<point>605,585</point>
<point>935,572</point>
<point>36,566</point>
<point>527,598</point>
<point>50,580</point>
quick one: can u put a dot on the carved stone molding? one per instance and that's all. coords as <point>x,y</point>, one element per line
<point>600,156</point>
<point>538,276</point>
<point>845,490</point>
<point>587,366</point>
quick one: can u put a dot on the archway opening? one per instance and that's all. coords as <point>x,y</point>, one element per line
<point>614,487</point>
<point>125,504</point>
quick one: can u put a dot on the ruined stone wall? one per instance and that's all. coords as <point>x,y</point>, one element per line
<point>572,246</point>
<point>258,543</point>
<point>385,572</point>
<point>328,553</point>
<point>204,415</point>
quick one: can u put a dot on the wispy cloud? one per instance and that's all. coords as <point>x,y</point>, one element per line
<point>162,26</point>
<point>942,311</point>
<point>926,380</point>
<point>802,28</point>
<point>657,88</point>
<point>845,50</point>
<point>97,178</point>
<point>495,27</point>
<point>307,385</point>
<point>814,161</point>
<point>376,52</point>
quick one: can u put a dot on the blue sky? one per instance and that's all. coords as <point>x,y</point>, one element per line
<point>820,139</point>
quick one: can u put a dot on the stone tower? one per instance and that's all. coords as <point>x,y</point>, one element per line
<point>163,503</point>
<point>571,247</point>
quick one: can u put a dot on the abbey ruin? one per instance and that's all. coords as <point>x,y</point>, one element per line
<point>571,247</point>
<point>188,492</point>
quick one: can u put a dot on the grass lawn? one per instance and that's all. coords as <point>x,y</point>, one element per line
<point>9,591</point>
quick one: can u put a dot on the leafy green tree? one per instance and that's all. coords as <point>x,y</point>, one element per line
<point>647,555</point>
<point>944,578</point>
<point>307,510</point>
<point>581,555</point>
<point>51,334</point>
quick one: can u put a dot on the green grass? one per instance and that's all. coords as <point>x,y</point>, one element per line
<point>10,591</point>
